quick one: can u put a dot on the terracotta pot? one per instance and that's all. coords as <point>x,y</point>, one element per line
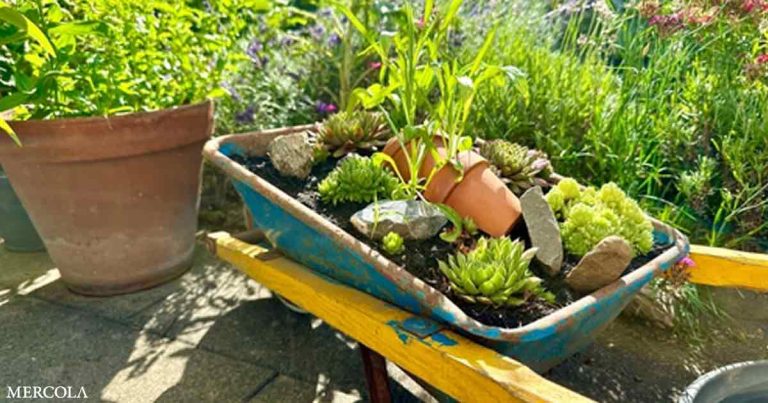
<point>393,149</point>
<point>16,229</point>
<point>480,195</point>
<point>115,199</point>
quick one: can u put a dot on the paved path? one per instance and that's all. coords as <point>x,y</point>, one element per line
<point>211,335</point>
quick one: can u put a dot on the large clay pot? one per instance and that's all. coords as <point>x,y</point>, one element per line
<point>114,198</point>
<point>480,194</point>
<point>16,229</point>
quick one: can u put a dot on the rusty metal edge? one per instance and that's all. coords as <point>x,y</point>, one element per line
<point>400,275</point>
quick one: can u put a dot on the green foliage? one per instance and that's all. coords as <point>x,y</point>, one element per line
<point>357,179</point>
<point>393,243</point>
<point>588,216</point>
<point>495,273</point>
<point>519,167</point>
<point>345,132</point>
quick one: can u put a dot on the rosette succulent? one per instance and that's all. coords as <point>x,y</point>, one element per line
<point>589,215</point>
<point>393,243</point>
<point>494,273</point>
<point>357,179</point>
<point>346,132</point>
<point>519,167</point>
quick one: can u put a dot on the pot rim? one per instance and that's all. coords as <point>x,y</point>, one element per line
<point>536,330</point>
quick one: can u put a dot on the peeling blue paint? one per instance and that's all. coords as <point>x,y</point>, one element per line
<point>444,340</point>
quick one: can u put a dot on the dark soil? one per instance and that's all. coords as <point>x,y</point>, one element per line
<point>421,259</point>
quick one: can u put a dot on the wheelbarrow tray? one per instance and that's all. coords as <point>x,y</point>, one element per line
<point>308,238</point>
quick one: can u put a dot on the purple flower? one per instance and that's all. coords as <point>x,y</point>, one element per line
<point>287,41</point>
<point>324,108</point>
<point>254,48</point>
<point>246,116</point>
<point>687,262</point>
<point>232,91</point>
<point>317,31</point>
<point>334,40</point>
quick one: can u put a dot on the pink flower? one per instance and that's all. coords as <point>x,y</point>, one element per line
<point>374,65</point>
<point>762,59</point>
<point>687,262</point>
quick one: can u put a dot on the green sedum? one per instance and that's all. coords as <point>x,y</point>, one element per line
<point>393,243</point>
<point>357,179</point>
<point>589,215</point>
<point>494,273</point>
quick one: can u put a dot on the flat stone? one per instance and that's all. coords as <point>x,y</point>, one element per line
<point>601,266</point>
<point>543,230</point>
<point>292,155</point>
<point>650,307</point>
<point>411,219</point>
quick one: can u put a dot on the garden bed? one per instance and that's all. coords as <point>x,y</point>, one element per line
<point>422,257</point>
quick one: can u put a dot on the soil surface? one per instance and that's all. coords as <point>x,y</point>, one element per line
<point>421,259</point>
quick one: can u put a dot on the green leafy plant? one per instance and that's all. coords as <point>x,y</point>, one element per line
<point>519,167</point>
<point>357,179</point>
<point>345,132</point>
<point>423,77</point>
<point>104,57</point>
<point>495,273</point>
<point>589,216</point>
<point>393,243</point>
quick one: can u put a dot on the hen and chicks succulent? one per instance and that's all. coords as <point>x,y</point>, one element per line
<point>518,166</point>
<point>346,132</point>
<point>494,273</point>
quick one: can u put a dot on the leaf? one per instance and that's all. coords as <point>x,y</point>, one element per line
<point>9,130</point>
<point>483,50</point>
<point>79,28</point>
<point>23,23</point>
<point>453,9</point>
<point>12,101</point>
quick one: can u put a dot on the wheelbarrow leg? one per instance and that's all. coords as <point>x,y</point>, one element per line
<point>376,378</point>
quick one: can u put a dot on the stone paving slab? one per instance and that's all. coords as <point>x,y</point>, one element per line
<point>45,344</point>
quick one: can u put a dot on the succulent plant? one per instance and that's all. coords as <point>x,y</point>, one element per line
<point>346,132</point>
<point>393,243</point>
<point>357,179</point>
<point>518,166</point>
<point>589,215</point>
<point>494,273</point>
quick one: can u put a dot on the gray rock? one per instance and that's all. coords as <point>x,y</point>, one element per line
<point>651,307</point>
<point>412,219</point>
<point>292,155</point>
<point>543,229</point>
<point>601,266</point>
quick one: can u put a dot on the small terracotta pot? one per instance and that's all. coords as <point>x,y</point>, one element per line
<point>480,195</point>
<point>115,199</point>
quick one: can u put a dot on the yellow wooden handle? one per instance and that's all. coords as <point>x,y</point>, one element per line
<point>729,268</point>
